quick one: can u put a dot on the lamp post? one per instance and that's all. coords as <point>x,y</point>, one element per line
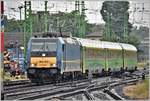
<point>20,7</point>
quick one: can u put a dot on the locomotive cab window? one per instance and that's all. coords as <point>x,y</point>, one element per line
<point>45,46</point>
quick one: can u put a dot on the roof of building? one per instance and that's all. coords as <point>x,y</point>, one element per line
<point>95,34</point>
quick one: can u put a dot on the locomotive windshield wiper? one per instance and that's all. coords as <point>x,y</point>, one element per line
<point>47,47</point>
<point>43,47</point>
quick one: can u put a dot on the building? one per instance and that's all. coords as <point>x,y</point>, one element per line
<point>95,36</point>
<point>144,50</point>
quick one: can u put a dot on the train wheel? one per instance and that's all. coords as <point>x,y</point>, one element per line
<point>109,71</point>
<point>80,76</point>
<point>126,69</point>
<point>65,77</point>
<point>121,70</point>
<point>86,73</point>
<point>135,68</point>
<point>84,76</point>
<point>103,72</point>
<point>58,78</point>
<point>72,76</point>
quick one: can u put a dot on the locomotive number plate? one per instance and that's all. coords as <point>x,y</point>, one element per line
<point>43,61</point>
<point>42,64</point>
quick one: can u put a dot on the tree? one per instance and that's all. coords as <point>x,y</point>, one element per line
<point>134,40</point>
<point>115,14</point>
<point>64,22</point>
<point>67,22</point>
<point>12,25</point>
<point>138,34</point>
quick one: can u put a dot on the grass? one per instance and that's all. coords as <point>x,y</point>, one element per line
<point>1,74</point>
<point>142,64</point>
<point>139,91</point>
<point>5,76</point>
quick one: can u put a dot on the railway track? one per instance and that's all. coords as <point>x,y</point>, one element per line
<point>69,89</point>
<point>8,88</point>
<point>30,86</point>
<point>106,88</point>
<point>18,82</point>
<point>114,96</point>
<point>87,91</point>
<point>10,85</point>
<point>28,91</point>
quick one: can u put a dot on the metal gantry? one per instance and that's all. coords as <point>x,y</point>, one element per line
<point>46,21</point>
<point>77,18</point>
<point>80,19</point>
<point>27,25</point>
<point>82,31</point>
<point>108,28</point>
<point>20,7</point>
<point>125,34</point>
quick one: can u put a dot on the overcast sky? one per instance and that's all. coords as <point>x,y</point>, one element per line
<point>93,12</point>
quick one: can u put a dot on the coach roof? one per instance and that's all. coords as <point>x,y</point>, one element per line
<point>128,47</point>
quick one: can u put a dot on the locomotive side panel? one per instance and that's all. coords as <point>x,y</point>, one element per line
<point>60,46</point>
<point>72,56</point>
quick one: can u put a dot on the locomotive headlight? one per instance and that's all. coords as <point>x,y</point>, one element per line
<point>32,65</point>
<point>54,65</point>
<point>43,54</point>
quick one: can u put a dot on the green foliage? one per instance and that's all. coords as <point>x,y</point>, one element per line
<point>56,22</point>
<point>12,25</point>
<point>137,35</point>
<point>132,39</point>
<point>114,37</point>
<point>141,32</point>
<point>115,14</point>
<point>68,22</point>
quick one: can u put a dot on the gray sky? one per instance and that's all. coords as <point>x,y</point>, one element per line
<point>93,12</point>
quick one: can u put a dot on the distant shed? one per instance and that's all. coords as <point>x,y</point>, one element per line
<point>95,35</point>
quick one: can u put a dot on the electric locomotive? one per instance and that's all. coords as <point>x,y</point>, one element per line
<point>51,59</point>
<point>43,59</point>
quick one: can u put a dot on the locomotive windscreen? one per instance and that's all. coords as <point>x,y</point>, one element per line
<point>43,46</point>
<point>43,53</point>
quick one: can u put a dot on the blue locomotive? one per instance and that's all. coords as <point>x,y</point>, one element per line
<point>51,58</point>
